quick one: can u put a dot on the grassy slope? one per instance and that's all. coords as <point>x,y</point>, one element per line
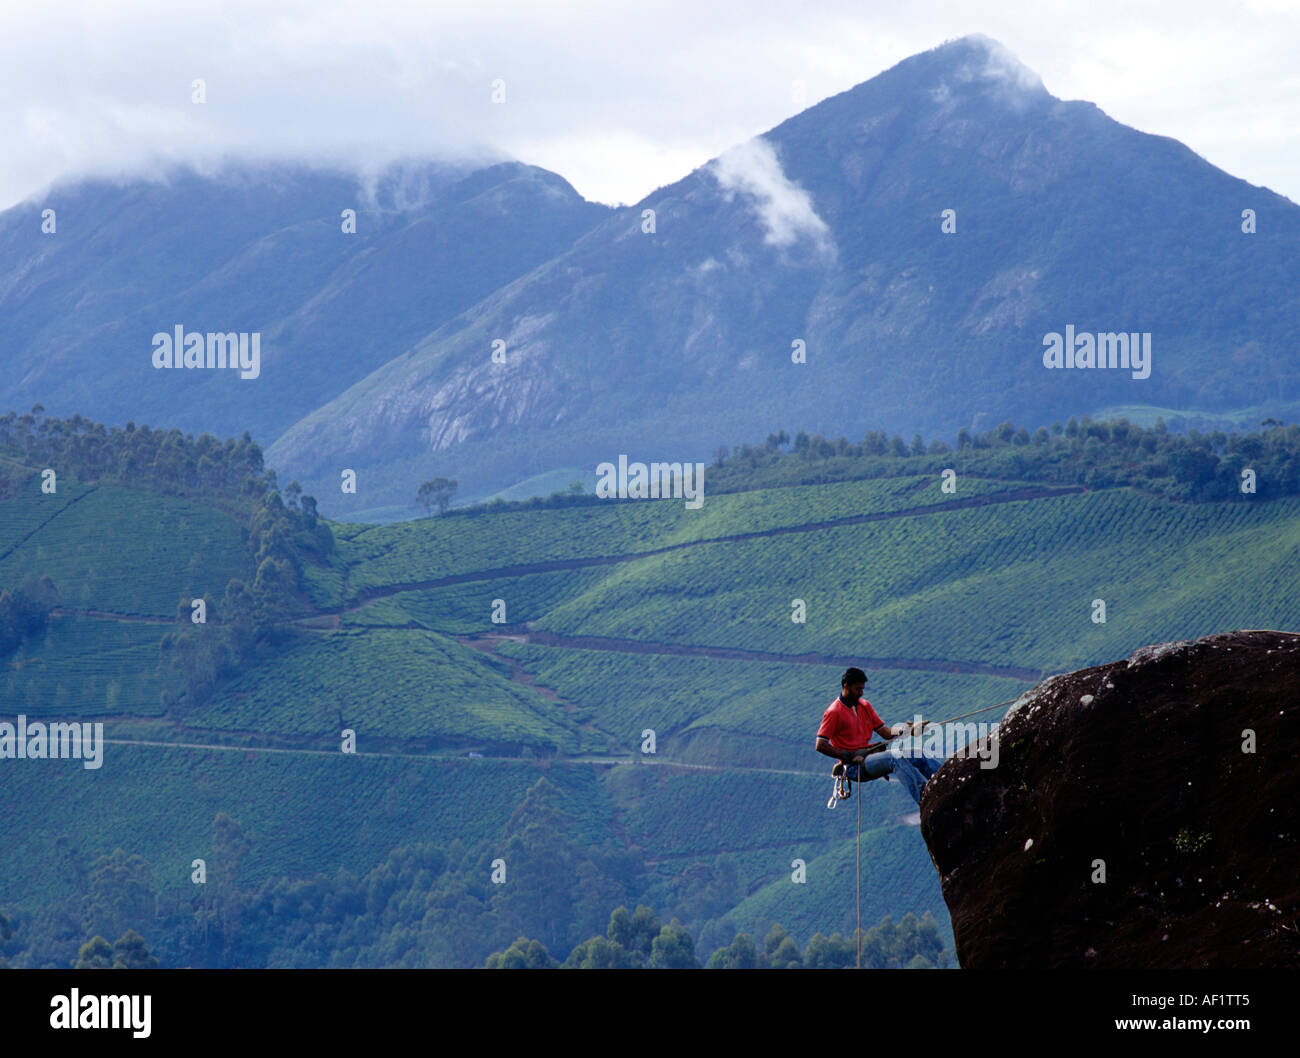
<point>85,667</point>
<point>1009,584</point>
<point>92,544</point>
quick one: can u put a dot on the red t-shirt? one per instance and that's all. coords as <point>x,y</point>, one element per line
<point>846,728</point>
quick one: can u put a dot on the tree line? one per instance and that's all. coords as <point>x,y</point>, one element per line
<point>1192,467</point>
<point>638,940</point>
<point>222,473</point>
<point>429,906</point>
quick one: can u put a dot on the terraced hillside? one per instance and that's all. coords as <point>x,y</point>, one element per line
<point>612,621</point>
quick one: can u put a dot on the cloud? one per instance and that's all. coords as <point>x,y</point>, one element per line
<point>998,68</point>
<point>1001,65</point>
<point>783,208</point>
<point>619,104</point>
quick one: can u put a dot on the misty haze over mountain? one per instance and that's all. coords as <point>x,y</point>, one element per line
<point>825,238</point>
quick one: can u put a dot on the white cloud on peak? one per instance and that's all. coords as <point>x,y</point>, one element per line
<point>783,208</point>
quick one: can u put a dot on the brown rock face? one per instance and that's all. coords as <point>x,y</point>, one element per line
<point>1141,765</point>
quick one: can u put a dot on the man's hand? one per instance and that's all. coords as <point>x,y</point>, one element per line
<point>857,758</point>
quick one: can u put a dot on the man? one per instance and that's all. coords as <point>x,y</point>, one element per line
<point>845,733</point>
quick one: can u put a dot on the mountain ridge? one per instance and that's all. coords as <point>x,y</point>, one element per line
<point>692,330</point>
<point>823,239</point>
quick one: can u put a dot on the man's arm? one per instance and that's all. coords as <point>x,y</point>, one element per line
<point>824,746</point>
<point>887,733</point>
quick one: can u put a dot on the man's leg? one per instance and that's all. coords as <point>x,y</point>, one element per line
<point>909,746</point>
<point>874,767</point>
<point>927,766</point>
<point>911,771</point>
<point>906,772</point>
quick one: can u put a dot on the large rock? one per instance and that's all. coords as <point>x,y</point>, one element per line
<point>1138,765</point>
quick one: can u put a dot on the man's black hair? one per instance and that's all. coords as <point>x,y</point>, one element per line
<point>853,676</point>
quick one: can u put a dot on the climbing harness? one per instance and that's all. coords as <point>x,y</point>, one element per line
<point>843,788</point>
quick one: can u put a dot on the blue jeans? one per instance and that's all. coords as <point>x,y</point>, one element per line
<point>910,766</point>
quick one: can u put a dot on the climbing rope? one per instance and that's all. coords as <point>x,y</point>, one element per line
<point>973,712</point>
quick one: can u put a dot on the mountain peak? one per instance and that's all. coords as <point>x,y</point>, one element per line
<point>975,69</point>
<point>974,65</point>
<point>976,60</point>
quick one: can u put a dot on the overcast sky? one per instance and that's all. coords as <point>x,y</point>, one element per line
<point>617,98</point>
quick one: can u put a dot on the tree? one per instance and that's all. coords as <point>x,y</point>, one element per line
<point>25,612</point>
<point>95,954</point>
<point>599,954</point>
<point>829,953</point>
<point>782,949</point>
<point>309,515</point>
<point>709,890</point>
<point>740,954</point>
<point>132,953</point>
<point>439,491</point>
<point>119,894</point>
<point>635,932</point>
<point>229,849</point>
<point>523,954</point>
<point>673,949</point>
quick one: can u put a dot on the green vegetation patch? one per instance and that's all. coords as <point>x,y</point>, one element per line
<point>385,683</point>
<point>129,551</point>
<point>85,666</point>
